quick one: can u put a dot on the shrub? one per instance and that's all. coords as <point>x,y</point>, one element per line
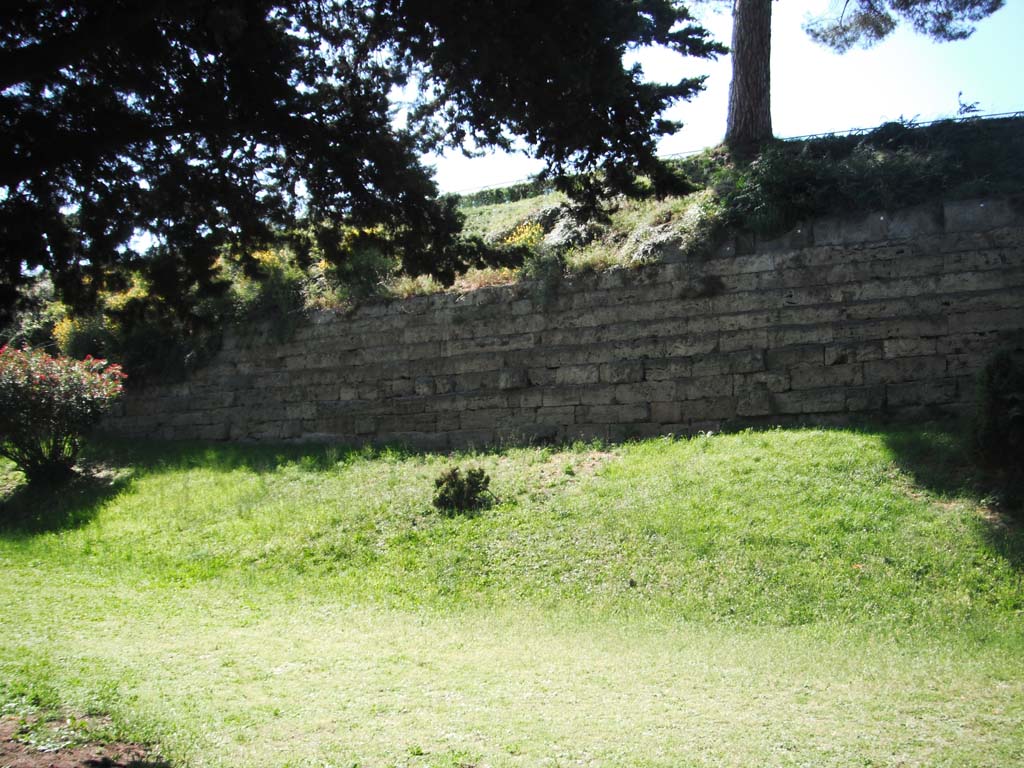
<point>999,422</point>
<point>457,493</point>
<point>528,234</point>
<point>79,337</point>
<point>47,404</point>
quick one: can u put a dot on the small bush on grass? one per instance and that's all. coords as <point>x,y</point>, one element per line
<point>46,406</point>
<point>460,494</point>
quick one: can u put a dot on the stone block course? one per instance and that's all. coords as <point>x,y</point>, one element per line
<point>885,314</point>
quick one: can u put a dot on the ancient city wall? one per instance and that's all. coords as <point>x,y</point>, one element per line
<point>888,315</point>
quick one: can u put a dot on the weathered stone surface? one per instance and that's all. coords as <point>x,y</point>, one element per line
<point>886,313</point>
<point>979,215</point>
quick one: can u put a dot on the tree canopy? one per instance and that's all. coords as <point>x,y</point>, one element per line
<point>866,22</point>
<point>221,125</point>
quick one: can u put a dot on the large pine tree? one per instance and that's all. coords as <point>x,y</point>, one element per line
<point>209,123</point>
<point>855,22</point>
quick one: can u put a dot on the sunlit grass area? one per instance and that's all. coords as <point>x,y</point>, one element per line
<point>801,597</point>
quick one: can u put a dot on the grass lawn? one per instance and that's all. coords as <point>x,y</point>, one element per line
<point>790,598</point>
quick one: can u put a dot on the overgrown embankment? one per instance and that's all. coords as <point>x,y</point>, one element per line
<point>895,166</point>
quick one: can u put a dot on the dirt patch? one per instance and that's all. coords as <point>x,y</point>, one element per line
<point>567,466</point>
<point>55,744</point>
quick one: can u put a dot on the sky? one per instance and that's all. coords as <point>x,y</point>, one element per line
<point>814,90</point>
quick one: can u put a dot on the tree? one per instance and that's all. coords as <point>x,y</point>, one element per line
<point>749,119</point>
<point>219,126</point>
<point>859,22</point>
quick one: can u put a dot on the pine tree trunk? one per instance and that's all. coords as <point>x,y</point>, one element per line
<point>749,123</point>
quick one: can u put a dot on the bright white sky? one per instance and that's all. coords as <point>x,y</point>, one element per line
<point>813,89</point>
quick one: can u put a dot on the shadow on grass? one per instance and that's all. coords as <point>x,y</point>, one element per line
<point>27,510</point>
<point>157,456</point>
<point>939,459</point>
<point>108,465</point>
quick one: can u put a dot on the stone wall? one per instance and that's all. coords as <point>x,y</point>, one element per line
<point>878,316</point>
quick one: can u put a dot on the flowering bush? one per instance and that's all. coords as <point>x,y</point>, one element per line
<point>47,404</point>
<point>529,234</point>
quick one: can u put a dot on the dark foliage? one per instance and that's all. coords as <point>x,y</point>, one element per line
<point>459,494</point>
<point>217,126</point>
<point>893,166</point>
<point>866,22</point>
<point>999,420</point>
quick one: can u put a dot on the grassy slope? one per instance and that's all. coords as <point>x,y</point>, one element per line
<point>776,598</point>
<point>896,165</point>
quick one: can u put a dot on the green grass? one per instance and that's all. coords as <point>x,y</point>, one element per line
<point>806,597</point>
<point>498,218</point>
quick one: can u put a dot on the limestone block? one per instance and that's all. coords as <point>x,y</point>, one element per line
<point>704,387</point>
<point>810,401</point>
<point>562,396</point>
<point>744,361</point>
<point>612,414</point>
<point>448,421</point>
<point>635,430</point>
<point>921,393</point>
<point>697,344</point>
<point>513,378</point>
<point>622,372</point>
<point>489,418</point>
<point>558,415</point>
<point>752,400</point>
<point>584,432</point>
<point>645,392</point>
<point>904,369</point>
<point>708,408</point>
<point>871,398</point>
<point>830,376</point>
<point>757,262</point>
<point>889,329</point>
<point>915,222</point>
<point>667,369</point>
<point>753,339</point>
<point>398,388</point>
<point>470,438</point>
<point>598,395</point>
<point>306,410</point>
<point>979,261</point>
<point>540,377</point>
<point>577,374</point>
<point>788,336</point>
<point>995,320</point>
<point>913,347</point>
<point>864,228</point>
<point>965,343</point>
<point>475,401</point>
<point>773,381</point>
<point>801,236</point>
<point>792,357</point>
<point>853,352</point>
<point>979,215</point>
<point>665,412</point>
